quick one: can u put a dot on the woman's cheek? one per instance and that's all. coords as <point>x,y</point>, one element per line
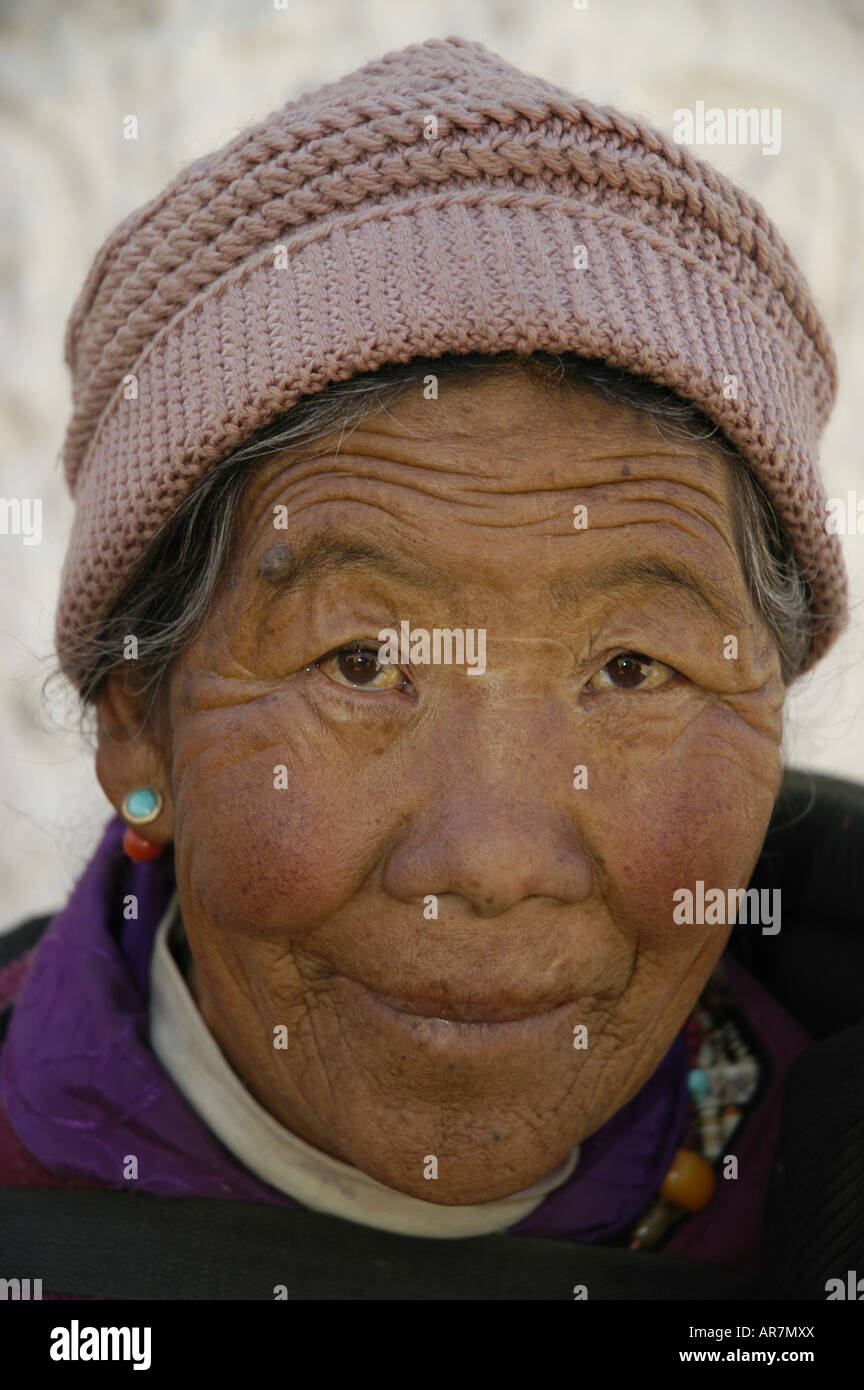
<point>689,816</point>
<point>266,836</point>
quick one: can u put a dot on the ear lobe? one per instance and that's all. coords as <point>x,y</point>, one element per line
<point>129,754</point>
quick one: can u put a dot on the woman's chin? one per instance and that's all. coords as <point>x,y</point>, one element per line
<point>478,1179</point>
<point>484,1165</point>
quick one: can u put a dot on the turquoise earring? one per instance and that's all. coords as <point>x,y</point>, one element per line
<point>141,806</point>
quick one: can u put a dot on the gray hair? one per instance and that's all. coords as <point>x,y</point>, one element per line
<point>168,594</point>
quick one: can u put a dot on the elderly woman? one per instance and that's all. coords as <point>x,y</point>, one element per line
<point>448,532</point>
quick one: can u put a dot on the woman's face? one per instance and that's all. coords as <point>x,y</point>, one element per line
<point>349,833</point>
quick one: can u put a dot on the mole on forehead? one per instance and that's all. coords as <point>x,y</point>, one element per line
<point>276,560</point>
<point>283,566</point>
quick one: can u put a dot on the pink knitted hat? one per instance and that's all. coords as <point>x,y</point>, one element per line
<point>433,201</point>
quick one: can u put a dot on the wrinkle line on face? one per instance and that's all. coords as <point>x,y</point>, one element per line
<point>653,570</point>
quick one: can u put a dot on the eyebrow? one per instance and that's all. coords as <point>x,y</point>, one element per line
<point>656,570</point>
<point>287,568</point>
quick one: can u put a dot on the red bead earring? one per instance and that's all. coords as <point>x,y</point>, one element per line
<point>139,849</point>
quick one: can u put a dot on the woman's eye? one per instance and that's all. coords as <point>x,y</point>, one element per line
<point>632,671</point>
<point>358,667</point>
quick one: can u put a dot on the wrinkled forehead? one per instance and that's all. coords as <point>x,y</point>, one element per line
<point>503,452</point>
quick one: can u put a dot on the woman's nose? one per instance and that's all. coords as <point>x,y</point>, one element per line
<point>497,818</point>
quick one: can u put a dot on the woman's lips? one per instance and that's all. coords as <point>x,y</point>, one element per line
<point>440,1010</point>
<point>448,1012</point>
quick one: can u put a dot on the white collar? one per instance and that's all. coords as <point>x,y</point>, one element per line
<point>190,1054</point>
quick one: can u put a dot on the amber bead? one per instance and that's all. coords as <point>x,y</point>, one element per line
<point>690,1181</point>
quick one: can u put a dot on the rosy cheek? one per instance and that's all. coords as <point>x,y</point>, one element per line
<point>271,858</point>
<point>705,821</point>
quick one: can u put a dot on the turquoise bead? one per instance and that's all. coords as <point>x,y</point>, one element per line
<point>698,1083</point>
<point>142,802</point>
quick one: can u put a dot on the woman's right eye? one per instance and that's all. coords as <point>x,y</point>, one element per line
<point>357,667</point>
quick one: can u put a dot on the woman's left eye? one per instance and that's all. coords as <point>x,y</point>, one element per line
<point>632,671</point>
<point>357,667</point>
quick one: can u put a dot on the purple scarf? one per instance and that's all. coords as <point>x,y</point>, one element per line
<point>83,1089</point>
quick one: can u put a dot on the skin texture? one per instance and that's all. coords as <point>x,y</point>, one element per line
<point>551,900</point>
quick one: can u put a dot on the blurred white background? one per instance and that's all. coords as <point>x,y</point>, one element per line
<point>195,74</point>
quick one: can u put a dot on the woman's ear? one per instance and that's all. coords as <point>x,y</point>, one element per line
<point>133,751</point>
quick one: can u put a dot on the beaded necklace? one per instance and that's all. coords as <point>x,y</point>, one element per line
<point>723,1082</point>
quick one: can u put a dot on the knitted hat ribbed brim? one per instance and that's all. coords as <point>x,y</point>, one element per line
<point>335,236</point>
